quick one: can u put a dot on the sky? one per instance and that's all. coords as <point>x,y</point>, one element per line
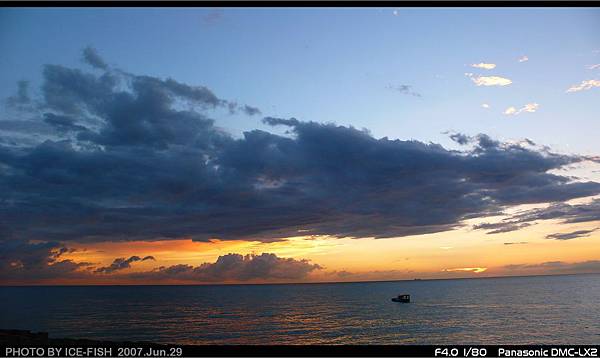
<point>254,145</point>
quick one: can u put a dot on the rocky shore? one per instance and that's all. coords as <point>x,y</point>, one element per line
<point>10,337</point>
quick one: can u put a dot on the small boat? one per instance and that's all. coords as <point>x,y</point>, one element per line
<point>402,298</point>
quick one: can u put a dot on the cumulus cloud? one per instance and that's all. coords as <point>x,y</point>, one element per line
<point>134,157</point>
<point>235,267</point>
<point>593,67</point>
<point>92,58</point>
<point>485,66</point>
<point>488,80</point>
<point>529,107</point>
<point>405,89</point>
<point>485,105</point>
<point>570,235</point>
<point>27,262</point>
<point>523,59</point>
<point>121,263</point>
<point>584,86</point>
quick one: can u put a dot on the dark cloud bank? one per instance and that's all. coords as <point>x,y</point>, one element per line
<point>107,155</point>
<point>26,262</point>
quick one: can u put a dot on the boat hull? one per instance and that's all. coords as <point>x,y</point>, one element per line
<point>401,300</point>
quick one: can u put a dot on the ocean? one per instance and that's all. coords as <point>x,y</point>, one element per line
<point>511,310</point>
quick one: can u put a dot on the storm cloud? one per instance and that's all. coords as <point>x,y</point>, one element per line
<point>133,157</point>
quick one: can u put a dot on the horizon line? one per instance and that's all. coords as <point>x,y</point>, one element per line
<point>299,283</point>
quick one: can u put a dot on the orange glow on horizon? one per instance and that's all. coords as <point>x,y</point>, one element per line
<point>458,253</point>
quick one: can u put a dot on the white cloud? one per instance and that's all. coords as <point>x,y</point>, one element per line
<point>485,105</point>
<point>593,67</point>
<point>529,107</point>
<point>523,59</point>
<point>584,86</point>
<point>488,80</point>
<point>487,66</point>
